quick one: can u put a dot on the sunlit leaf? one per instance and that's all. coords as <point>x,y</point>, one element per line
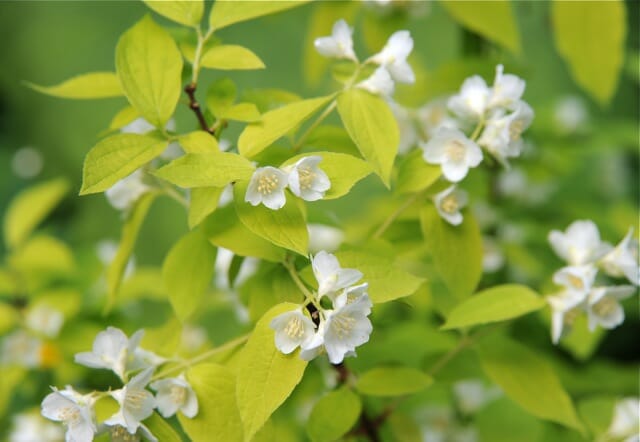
<point>85,86</point>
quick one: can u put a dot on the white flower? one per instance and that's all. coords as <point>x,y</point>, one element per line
<point>565,308</point>
<point>22,349</point>
<point>578,279</point>
<point>492,256</point>
<point>379,83</point>
<point>502,133</point>
<point>339,44</point>
<point>579,244</point>
<point>111,350</point>
<point>267,187</point>
<point>344,329</point>
<point>603,306</point>
<point>453,151</point>
<point>136,403</point>
<point>570,114</point>
<point>74,410</point>
<point>434,115</point>
<point>123,194</point>
<point>175,394</point>
<point>31,427</point>
<point>448,204</point>
<point>330,276</point>
<point>472,100</point>
<point>350,294</point>
<point>44,319</point>
<point>394,57</point>
<point>472,395</point>
<point>120,434</point>
<point>323,237</point>
<point>292,330</point>
<point>507,89</point>
<point>408,132</point>
<point>626,420</point>
<point>623,260</point>
<point>307,180</point>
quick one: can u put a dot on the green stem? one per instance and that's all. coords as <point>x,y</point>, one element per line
<point>202,40</point>
<point>315,124</point>
<point>308,296</point>
<point>202,357</point>
<point>477,130</point>
<point>391,218</point>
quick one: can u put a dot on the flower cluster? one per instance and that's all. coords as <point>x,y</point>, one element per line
<point>305,180</point>
<point>391,60</point>
<point>585,253</point>
<point>113,350</point>
<point>338,330</point>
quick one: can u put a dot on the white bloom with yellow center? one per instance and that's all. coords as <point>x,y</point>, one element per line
<point>307,180</point>
<point>472,100</point>
<point>502,133</point>
<point>330,276</point>
<point>507,89</point>
<point>267,186</point>
<point>339,44</point>
<point>623,260</point>
<point>603,306</point>
<point>378,83</point>
<point>579,244</point>
<point>453,151</point>
<point>123,194</point>
<point>578,279</point>
<point>566,306</point>
<point>625,425</point>
<point>175,394</point>
<point>45,319</point>
<point>350,294</point>
<point>136,403</point>
<point>448,204</point>
<point>292,330</point>
<point>394,57</point>
<point>74,410</point>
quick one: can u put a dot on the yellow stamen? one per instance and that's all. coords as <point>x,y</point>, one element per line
<point>267,183</point>
<point>455,150</point>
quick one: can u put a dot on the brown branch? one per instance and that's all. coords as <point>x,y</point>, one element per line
<point>190,89</point>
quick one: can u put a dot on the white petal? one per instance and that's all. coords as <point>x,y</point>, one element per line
<point>190,407</point>
<point>275,200</point>
<point>454,171</point>
<point>401,72</point>
<point>166,405</point>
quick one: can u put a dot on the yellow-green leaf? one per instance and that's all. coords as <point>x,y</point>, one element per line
<point>493,20</point>
<point>123,117</point>
<point>334,415</point>
<point>42,255</point>
<point>218,417</point>
<point>495,304</point>
<point>415,174</point>
<point>206,169</point>
<point>247,112</point>
<point>149,66</point>
<point>590,37</point>
<point>30,207</point>
<point>185,12</point>
<point>117,157</point>
<point>203,202</point>
<point>161,429</point>
<point>187,272</point>
<point>527,378</point>
<point>199,142</point>
<point>277,123</point>
<point>85,86</point>
<point>228,12</point>
<point>265,377</point>
<point>231,58</point>
<point>392,381</point>
<point>285,227</point>
<point>373,128</point>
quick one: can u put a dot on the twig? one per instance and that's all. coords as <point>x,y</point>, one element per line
<point>190,89</point>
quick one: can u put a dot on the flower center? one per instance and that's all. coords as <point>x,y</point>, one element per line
<point>294,328</point>
<point>135,399</point>
<point>120,434</point>
<point>342,325</point>
<point>178,394</point>
<point>71,416</point>
<point>450,204</point>
<point>571,316</point>
<point>605,307</point>
<point>306,176</point>
<point>455,151</point>
<point>575,282</point>
<point>515,130</point>
<point>267,183</point>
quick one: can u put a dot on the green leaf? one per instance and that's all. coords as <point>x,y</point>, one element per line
<point>277,123</point>
<point>85,86</point>
<point>456,251</point>
<point>41,256</point>
<point>117,157</point>
<point>597,413</point>
<point>285,227</point>
<point>493,20</point>
<point>333,415</point>
<point>206,170</point>
<point>221,95</point>
<point>387,281</point>
<point>130,231</point>
<point>415,174</point>
<point>185,12</point>
<point>149,66</point>
<point>230,58</point>
<point>30,207</point>
<point>187,272</point>
<point>218,416</point>
<point>122,118</point>
<point>343,170</point>
<point>373,128</point>
<point>225,13</point>
<point>265,377</point>
<point>590,36</point>
<point>527,379</point>
<point>224,229</point>
<point>246,112</point>
<point>161,429</point>
<point>204,201</point>
<point>493,305</point>
<point>393,381</point>
<point>199,141</point>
